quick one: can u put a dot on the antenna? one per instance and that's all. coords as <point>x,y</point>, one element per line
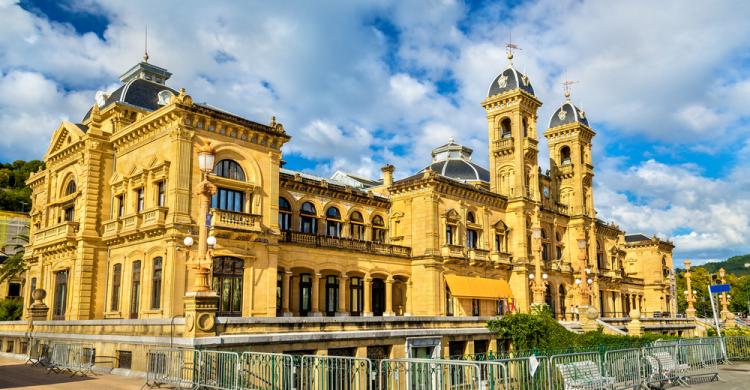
<point>510,46</point>
<point>145,46</point>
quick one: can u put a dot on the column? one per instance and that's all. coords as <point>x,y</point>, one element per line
<point>367,297</point>
<point>316,295</point>
<point>286,294</point>
<point>342,309</point>
<point>408,307</point>
<point>389,297</point>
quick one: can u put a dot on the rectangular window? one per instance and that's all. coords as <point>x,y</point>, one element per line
<point>124,359</point>
<point>279,293</point>
<point>449,234</point>
<point>472,238</point>
<point>545,252</point>
<point>161,189</point>
<point>475,308</point>
<point>285,221</point>
<point>140,199</point>
<point>14,290</point>
<point>116,280</point>
<point>31,290</point>
<point>69,213</point>
<point>120,206</point>
<point>229,200</point>
<point>559,252</point>
<point>135,290</point>
<point>61,293</point>
<point>448,303</point>
<point>156,284</point>
<point>305,287</point>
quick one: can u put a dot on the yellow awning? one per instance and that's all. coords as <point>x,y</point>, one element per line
<point>477,288</point>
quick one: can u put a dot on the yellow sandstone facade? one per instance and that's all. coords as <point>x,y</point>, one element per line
<point>117,198</point>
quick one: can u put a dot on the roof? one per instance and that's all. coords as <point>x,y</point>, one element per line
<point>136,92</point>
<point>459,169</point>
<point>331,182</point>
<point>568,113</point>
<point>355,181</point>
<point>636,238</point>
<point>509,80</point>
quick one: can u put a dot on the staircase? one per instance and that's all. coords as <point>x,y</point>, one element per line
<point>573,326</point>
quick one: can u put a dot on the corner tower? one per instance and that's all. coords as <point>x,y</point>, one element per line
<point>569,137</point>
<point>511,108</point>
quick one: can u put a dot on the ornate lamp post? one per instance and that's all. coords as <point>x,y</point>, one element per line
<point>584,280</point>
<point>538,279</point>
<point>724,302</point>
<point>689,293</point>
<point>201,301</point>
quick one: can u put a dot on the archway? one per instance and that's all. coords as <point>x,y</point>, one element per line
<point>378,297</point>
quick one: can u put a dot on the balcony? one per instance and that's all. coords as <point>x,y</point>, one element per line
<point>111,229</point>
<point>131,223</point>
<point>500,257</point>
<point>223,219</point>
<point>476,255</point>
<point>503,146</point>
<point>453,251</point>
<point>61,232</point>
<point>345,243</point>
<point>565,170</point>
<point>154,218</point>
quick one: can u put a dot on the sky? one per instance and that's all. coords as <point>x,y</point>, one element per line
<point>665,85</point>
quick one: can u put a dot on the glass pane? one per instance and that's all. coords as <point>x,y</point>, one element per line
<point>237,295</point>
<point>225,296</point>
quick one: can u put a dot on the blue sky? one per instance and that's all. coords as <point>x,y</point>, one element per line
<point>361,84</point>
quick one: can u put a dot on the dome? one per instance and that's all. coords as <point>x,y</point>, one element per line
<point>454,161</point>
<point>568,113</point>
<point>509,80</point>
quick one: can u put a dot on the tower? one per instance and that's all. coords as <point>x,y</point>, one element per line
<point>511,108</point>
<point>569,138</point>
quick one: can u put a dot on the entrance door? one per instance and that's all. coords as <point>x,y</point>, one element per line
<point>378,297</point>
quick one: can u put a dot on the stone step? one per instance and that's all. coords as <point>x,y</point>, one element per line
<point>573,326</point>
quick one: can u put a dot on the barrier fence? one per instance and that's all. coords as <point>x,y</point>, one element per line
<point>624,366</point>
<point>738,347</point>
<point>73,358</point>
<point>336,373</point>
<point>266,371</point>
<point>429,374</point>
<point>170,367</point>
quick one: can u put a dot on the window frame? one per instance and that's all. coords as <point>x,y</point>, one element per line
<point>156,282</point>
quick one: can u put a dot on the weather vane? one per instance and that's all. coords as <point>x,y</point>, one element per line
<point>510,46</point>
<point>145,46</point>
<point>566,87</point>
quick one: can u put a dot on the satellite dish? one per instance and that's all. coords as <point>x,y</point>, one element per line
<point>101,98</point>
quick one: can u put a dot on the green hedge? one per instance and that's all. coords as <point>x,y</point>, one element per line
<point>11,309</point>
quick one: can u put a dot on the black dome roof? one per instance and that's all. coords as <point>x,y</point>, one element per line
<point>137,92</point>
<point>460,169</point>
<point>568,113</point>
<point>509,80</point>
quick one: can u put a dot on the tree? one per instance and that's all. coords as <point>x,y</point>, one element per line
<point>14,265</point>
<point>11,309</point>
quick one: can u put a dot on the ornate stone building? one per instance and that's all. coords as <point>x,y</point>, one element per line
<point>117,199</point>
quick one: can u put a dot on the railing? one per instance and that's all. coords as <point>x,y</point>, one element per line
<point>344,243</point>
<point>476,254</point>
<point>336,372</point>
<point>453,251</point>
<point>504,144</point>
<point>111,228</point>
<point>171,367</point>
<point>234,220</point>
<point>65,230</point>
<point>154,218</point>
<point>500,257</point>
<point>131,223</point>
<point>72,358</point>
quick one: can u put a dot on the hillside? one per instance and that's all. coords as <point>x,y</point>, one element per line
<point>733,265</point>
<point>14,195</point>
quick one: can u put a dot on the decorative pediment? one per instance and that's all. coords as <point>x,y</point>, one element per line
<point>397,215</point>
<point>452,216</point>
<point>66,134</point>
<point>500,226</point>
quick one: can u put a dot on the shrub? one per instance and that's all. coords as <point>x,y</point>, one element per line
<point>11,309</point>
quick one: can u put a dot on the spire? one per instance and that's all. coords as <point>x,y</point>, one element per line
<point>566,87</point>
<point>145,46</point>
<point>510,46</point>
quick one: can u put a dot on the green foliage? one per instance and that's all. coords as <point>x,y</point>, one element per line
<point>733,265</point>
<point>700,279</point>
<point>737,331</point>
<point>541,331</point>
<point>11,309</point>
<point>14,194</point>
<point>14,265</point>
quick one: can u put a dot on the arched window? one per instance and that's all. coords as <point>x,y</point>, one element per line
<point>357,226</point>
<point>156,283</point>
<point>545,245</point>
<point>472,235</point>
<point>308,218</point>
<point>470,218</point>
<point>116,281</point>
<point>333,222</point>
<point>229,169</point>
<point>227,282</point>
<point>378,229</point>
<point>565,155</point>
<point>505,128</point>
<point>285,214</point>
<point>525,124</point>
<point>70,188</point>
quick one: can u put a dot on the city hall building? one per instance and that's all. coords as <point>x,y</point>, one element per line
<point>300,263</point>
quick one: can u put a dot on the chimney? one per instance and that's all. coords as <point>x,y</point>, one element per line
<point>387,175</point>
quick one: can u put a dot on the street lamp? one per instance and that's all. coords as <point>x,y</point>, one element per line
<point>689,293</point>
<point>205,190</point>
<point>724,302</point>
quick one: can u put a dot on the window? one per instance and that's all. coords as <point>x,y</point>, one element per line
<point>156,283</point>
<point>525,124</point>
<point>357,225</point>
<point>449,233</point>
<point>472,237</point>
<point>475,307</point>
<point>285,214</point>
<point>139,199</point>
<point>229,169</point>
<point>31,290</point>
<point>356,295</point>
<point>135,290</point>
<point>14,290</point>
<point>305,294</point>
<point>227,282</point>
<point>229,200</point>
<point>470,218</point>
<point>448,302</point>
<point>69,213</point>
<point>378,229</point>
<point>70,188</point>
<point>116,281</point>
<point>61,292</point>
<point>565,155</point>
<point>332,295</point>
<point>124,359</point>
<point>333,222</point>
<point>559,252</point>
<point>161,190</point>
<point>279,293</point>
<point>505,128</point>
<point>308,220</point>
<point>120,206</point>
<point>545,252</point>
<point>601,260</point>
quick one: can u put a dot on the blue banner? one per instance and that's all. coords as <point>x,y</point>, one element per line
<point>719,288</point>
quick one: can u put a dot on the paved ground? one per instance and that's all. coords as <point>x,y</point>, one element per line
<point>15,375</point>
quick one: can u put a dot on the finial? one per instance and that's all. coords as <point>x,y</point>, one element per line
<point>566,87</point>
<point>145,46</point>
<point>273,121</point>
<point>510,46</point>
<point>451,140</point>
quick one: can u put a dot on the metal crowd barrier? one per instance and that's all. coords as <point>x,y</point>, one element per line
<point>429,374</point>
<point>73,358</point>
<point>170,367</point>
<point>38,353</point>
<point>661,366</point>
<point>336,373</point>
<point>266,371</point>
<point>519,374</point>
<point>738,347</point>
<point>216,370</point>
<point>701,361</point>
<point>624,365</point>
<point>581,371</point>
